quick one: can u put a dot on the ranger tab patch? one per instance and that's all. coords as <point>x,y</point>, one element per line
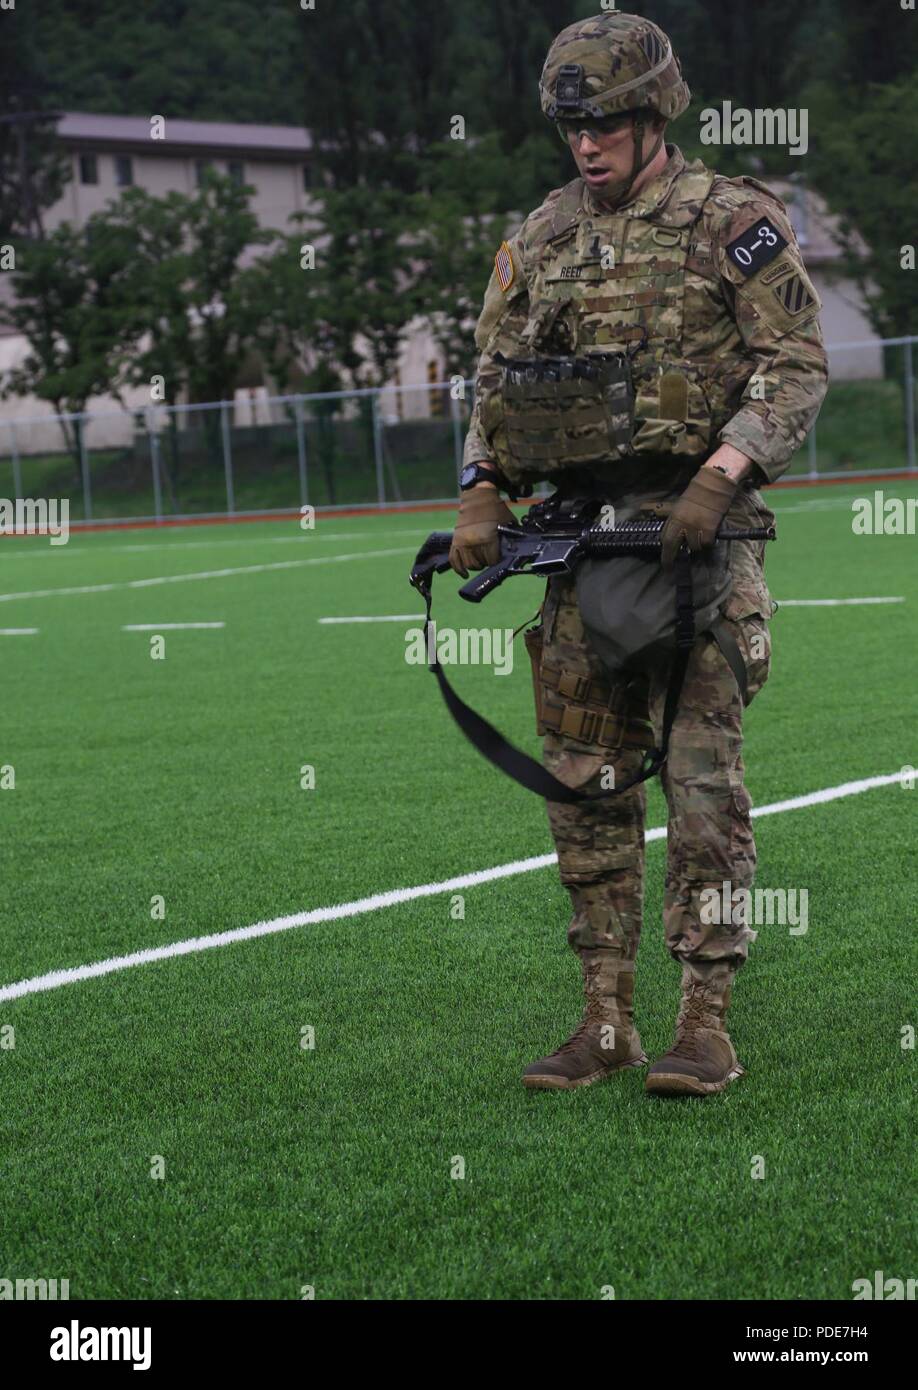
<point>503,264</point>
<point>755,247</point>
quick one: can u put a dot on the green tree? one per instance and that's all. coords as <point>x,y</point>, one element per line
<point>858,167</point>
<point>193,296</point>
<point>232,61</point>
<point>33,169</point>
<point>73,305</point>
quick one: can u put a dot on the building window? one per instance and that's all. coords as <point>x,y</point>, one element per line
<point>89,168</point>
<point>202,167</point>
<point>308,177</point>
<point>236,170</point>
<point>124,170</point>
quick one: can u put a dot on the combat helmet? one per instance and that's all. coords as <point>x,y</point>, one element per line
<point>609,66</point>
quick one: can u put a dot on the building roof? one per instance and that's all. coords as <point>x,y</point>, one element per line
<point>90,131</point>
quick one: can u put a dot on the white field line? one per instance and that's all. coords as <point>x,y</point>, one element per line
<point>40,984</point>
<point>33,553</point>
<point>17,631</point>
<point>165,627</point>
<point>782,603</point>
<point>386,618</point>
<point>306,538</point>
<point>816,504</point>
<point>206,574</point>
<point>830,602</point>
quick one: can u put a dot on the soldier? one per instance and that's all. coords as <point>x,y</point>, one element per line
<point>698,282</point>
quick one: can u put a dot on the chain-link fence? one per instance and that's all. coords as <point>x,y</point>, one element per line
<point>372,448</point>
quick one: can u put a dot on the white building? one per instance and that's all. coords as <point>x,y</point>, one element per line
<point>109,153</point>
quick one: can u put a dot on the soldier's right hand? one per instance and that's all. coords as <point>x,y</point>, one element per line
<point>476,544</point>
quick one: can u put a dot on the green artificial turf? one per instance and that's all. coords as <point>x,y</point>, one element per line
<point>331,1167</point>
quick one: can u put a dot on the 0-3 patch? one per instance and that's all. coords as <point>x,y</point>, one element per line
<point>755,247</point>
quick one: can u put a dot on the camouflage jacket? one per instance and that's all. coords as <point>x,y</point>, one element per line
<point>700,280</point>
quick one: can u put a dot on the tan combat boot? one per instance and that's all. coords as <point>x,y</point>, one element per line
<point>702,1059</point>
<point>606,1040</point>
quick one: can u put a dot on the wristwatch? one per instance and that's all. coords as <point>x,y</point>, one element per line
<point>474,473</point>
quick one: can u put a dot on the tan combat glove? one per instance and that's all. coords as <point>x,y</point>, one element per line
<point>697,515</point>
<point>476,544</point>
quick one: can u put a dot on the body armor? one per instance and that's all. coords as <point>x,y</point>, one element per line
<point>605,374</point>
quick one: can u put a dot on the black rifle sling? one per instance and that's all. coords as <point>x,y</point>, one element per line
<point>525,770</point>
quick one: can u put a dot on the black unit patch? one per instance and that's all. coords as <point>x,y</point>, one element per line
<point>755,247</point>
<point>794,295</point>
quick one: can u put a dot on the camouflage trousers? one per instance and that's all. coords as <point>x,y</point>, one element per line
<point>598,728</point>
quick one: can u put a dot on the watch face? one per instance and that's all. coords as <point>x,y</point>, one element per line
<point>468,475</point>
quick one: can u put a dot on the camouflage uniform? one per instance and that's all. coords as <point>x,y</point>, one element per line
<point>722,353</point>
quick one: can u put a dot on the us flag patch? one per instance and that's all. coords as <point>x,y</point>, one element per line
<point>503,264</point>
<point>794,295</point>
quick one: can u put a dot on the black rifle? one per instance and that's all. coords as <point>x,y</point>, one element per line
<point>527,550</point>
<point>551,542</point>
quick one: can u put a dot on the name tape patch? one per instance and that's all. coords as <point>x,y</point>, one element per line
<point>755,247</point>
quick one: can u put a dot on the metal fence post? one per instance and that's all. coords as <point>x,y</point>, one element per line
<point>301,450</point>
<point>227,458</point>
<point>153,439</point>
<point>377,450</point>
<point>84,468</point>
<point>454,406</point>
<point>910,407</point>
<point>17,468</point>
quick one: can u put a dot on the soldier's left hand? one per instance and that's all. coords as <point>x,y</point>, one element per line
<point>697,515</point>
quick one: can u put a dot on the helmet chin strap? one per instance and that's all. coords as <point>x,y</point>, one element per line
<point>617,195</point>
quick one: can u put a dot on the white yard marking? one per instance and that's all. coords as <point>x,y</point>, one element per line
<point>17,631</point>
<point>386,618</point>
<point>815,504</point>
<point>206,574</point>
<point>33,552</point>
<point>165,627</point>
<point>379,901</point>
<point>830,602</point>
<point>305,538</point>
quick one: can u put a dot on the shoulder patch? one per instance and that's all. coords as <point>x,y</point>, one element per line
<point>755,247</point>
<point>503,266</point>
<point>794,295</point>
